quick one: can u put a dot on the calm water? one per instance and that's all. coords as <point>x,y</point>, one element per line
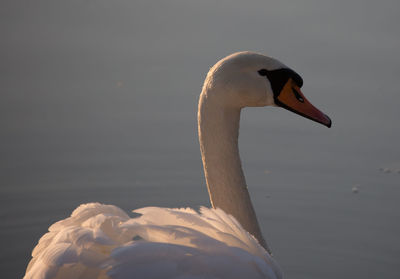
<point>98,103</point>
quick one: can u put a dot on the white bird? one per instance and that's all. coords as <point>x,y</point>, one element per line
<point>102,241</point>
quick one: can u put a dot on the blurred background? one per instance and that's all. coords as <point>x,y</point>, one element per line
<point>98,102</point>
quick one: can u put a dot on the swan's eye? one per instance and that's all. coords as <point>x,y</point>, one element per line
<point>263,72</point>
<point>297,95</point>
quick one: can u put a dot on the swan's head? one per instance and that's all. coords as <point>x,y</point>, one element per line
<point>247,79</point>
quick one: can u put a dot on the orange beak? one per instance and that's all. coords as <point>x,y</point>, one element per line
<point>292,99</point>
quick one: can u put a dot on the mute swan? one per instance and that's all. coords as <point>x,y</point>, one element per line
<point>102,241</point>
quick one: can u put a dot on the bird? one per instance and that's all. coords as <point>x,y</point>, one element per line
<point>224,241</point>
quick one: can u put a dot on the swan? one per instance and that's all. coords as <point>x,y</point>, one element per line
<point>225,241</point>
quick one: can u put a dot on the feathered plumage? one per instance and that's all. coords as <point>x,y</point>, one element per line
<point>102,241</point>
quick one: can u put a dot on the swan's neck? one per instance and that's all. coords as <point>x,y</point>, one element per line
<point>218,136</point>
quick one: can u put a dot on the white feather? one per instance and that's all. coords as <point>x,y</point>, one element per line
<point>171,243</point>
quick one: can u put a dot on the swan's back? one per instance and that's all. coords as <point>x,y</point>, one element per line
<point>102,241</point>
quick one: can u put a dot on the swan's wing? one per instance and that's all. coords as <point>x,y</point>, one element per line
<point>77,247</point>
<point>101,241</point>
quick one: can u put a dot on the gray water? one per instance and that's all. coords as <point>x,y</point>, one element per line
<point>98,102</point>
